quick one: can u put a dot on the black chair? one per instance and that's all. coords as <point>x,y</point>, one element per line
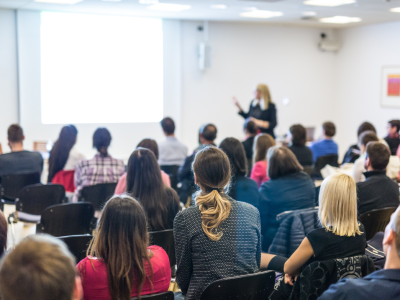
<point>172,171</point>
<point>165,239</point>
<point>322,161</point>
<point>12,184</point>
<point>255,286</point>
<point>162,296</point>
<point>66,219</point>
<point>98,194</point>
<point>77,244</point>
<point>376,220</point>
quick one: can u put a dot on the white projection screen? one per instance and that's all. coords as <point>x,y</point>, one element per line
<point>100,69</point>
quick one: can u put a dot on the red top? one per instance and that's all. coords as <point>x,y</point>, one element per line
<point>259,172</point>
<point>95,282</point>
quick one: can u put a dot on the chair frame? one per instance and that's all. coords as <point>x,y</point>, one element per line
<point>161,296</point>
<point>372,230</point>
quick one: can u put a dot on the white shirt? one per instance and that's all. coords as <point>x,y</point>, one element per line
<point>261,101</point>
<point>73,159</point>
<point>172,152</point>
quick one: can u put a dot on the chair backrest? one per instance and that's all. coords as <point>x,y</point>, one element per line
<point>255,286</point>
<point>34,199</point>
<point>165,239</point>
<point>97,194</point>
<point>77,244</point>
<point>376,220</point>
<point>162,296</point>
<point>172,171</point>
<point>66,179</point>
<point>322,161</point>
<point>12,184</point>
<point>66,219</point>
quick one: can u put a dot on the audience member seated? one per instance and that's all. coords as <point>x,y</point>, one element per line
<point>358,167</point>
<point>325,146</point>
<point>354,151</point>
<point>382,284</point>
<point>262,143</point>
<point>19,161</point>
<point>39,267</point>
<point>121,264</point>
<point>241,187</point>
<point>153,147</point>
<point>340,235</point>
<point>100,169</point>
<point>143,182</point>
<point>298,145</point>
<point>288,189</point>
<point>64,156</point>
<point>219,237</point>
<point>250,130</point>
<point>172,152</point>
<point>392,139</point>
<point>207,135</point>
<point>378,190</point>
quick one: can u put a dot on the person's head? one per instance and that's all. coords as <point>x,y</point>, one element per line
<point>121,240</point>
<point>3,234</point>
<point>234,149</point>
<point>377,156</point>
<point>338,205</point>
<point>207,134</point>
<point>151,145</point>
<point>262,93</point>
<point>212,174</point>
<point>262,143</point>
<point>365,138</point>
<point>328,129</point>
<point>15,136</point>
<point>168,126</point>
<point>102,140</point>
<point>60,152</point>
<point>391,238</point>
<point>39,267</point>
<point>299,135</point>
<point>393,127</point>
<point>250,128</point>
<point>281,162</point>
<point>144,183</point>
<point>366,126</point>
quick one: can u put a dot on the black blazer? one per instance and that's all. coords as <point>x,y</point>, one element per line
<point>268,114</point>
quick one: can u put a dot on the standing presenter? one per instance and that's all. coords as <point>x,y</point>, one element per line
<point>262,111</point>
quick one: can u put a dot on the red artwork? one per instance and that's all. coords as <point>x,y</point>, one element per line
<point>393,85</point>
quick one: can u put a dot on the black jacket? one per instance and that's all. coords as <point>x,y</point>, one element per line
<point>244,189</point>
<point>393,144</point>
<point>303,154</point>
<point>268,114</point>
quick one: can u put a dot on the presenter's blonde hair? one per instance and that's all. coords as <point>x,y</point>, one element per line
<point>263,88</point>
<point>338,205</point>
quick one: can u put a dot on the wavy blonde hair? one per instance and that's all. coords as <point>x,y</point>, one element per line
<point>212,170</point>
<point>338,205</point>
<point>263,88</point>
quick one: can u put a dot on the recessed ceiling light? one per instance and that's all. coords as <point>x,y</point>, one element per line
<point>59,1</point>
<point>219,6</point>
<point>328,2</point>
<point>340,20</point>
<point>309,13</point>
<point>148,1</point>
<point>396,9</point>
<point>169,7</point>
<point>261,14</point>
<point>250,8</point>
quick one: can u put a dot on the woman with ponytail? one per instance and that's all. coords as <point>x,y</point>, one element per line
<point>219,237</point>
<point>100,169</point>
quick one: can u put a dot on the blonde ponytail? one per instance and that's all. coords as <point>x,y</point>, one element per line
<point>214,209</point>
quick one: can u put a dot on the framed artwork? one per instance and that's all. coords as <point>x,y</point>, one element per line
<point>390,86</point>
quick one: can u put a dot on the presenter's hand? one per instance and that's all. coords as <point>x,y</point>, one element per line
<point>260,123</point>
<point>236,102</point>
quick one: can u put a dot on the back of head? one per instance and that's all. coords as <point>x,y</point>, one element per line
<point>209,132</point>
<point>366,126</point>
<point>338,205</point>
<point>263,88</point>
<point>250,127</point>
<point>395,123</point>
<point>366,137</point>
<point>299,135</point>
<point>263,142</point>
<point>329,129</point>
<point>281,162</point>
<point>234,149</point>
<point>15,133</point>
<point>40,267</point>
<point>151,145</point>
<point>3,234</point>
<point>121,240</point>
<point>212,173</point>
<point>101,140</point>
<point>168,125</point>
<point>379,155</point>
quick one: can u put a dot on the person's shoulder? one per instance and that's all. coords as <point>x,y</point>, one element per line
<point>158,251</point>
<point>344,289</point>
<point>246,207</point>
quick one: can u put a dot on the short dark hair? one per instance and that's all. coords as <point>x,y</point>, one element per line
<point>234,149</point>
<point>299,135</point>
<point>366,137</point>
<point>281,162</point>
<point>101,140</point>
<point>329,129</point>
<point>395,123</point>
<point>151,145</point>
<point>250,126</point>
<point>209,132</point>
<point>379,155</point>
<point>15,133</point>
<point>168,125</point>
<point>366,126</point>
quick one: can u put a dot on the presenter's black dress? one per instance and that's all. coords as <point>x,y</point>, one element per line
<point>268,114</point>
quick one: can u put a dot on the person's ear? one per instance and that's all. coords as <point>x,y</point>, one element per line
<point>78,290</point>
<point>195,178</point>
<point>367,162</point>
<point>23,137</point>
<point>388,238</point>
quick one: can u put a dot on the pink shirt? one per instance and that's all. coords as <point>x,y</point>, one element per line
<point>95,281</point>
<point>121,186</point>
<point>259,172</point>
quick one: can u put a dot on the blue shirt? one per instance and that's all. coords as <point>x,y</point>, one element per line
<point>172,152</point>
<point>323,147</point>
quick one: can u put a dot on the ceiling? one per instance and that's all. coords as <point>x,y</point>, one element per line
<point>370,11</point>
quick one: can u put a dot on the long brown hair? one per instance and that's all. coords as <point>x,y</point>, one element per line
<point>121,241</point>
<point>262,143</point>
<point>212,171</point>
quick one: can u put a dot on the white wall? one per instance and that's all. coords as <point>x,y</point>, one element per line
<point>8,75</point>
